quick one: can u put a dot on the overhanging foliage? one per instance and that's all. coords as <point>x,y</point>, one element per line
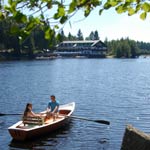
<point>50,15</point>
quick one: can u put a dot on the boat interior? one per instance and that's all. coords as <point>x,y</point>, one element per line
<point>31,122</point>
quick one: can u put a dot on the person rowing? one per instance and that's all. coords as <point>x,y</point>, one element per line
<point>52,108</point>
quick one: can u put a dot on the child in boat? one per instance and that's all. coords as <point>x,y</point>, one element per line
<point>52,108</point>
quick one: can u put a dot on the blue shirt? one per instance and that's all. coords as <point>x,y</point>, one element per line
<point>52,105</point>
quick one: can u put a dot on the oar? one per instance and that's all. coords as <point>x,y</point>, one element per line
<point>76,117</point>
<point>1,114</point>
<point>97,121</point>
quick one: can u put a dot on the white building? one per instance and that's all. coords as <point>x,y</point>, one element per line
<point>90,49</point>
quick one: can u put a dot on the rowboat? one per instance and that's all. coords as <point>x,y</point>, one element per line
<point>21,130</point>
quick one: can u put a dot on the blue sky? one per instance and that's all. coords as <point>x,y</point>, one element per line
<point>110,25</point>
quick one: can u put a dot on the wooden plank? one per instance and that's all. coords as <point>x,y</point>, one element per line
<point>33,120</point>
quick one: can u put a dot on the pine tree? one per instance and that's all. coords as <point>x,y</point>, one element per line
<point>96,36</point>
<point>79,35</point>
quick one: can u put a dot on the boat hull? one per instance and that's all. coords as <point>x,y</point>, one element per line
<point>23,133</point>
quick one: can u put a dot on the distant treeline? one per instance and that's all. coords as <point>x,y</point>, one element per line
<point>12,48</point>
<point>127,48</point>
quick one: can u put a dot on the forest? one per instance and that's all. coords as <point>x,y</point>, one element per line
<point>11,47</point>
<point>29,27</point>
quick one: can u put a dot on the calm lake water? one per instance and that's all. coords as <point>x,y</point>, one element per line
<point>117,90</point>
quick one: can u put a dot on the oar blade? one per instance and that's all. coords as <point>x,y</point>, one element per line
<point>1,114</point>
<point>97,121</point>
<point>102,121</point>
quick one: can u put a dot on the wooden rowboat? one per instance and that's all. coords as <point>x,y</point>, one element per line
<point>23,131</point>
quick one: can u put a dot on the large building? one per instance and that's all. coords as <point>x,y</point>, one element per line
<point>90,49</point>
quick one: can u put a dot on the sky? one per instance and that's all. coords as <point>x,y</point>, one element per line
<point>110,25</point>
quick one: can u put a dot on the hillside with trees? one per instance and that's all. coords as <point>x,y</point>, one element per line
<point>28,27</point>
<point>12,48</point>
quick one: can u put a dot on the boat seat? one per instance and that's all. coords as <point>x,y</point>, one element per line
<point>33,120</point>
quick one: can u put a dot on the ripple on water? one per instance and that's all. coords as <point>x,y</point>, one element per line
<point>116,90</point>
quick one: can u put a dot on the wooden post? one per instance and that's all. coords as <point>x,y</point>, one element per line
<point>135,139</point>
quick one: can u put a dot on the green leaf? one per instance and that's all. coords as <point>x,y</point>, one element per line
<point>1,16</point>
<point>14,29</point>
<point>120,9</point>
<point>61,11</point>
<point>138,7</point>
<point>42,16</point>
<point>96,3</point>
<point>146,7</point>
<point>10,2</point>
<point>143,15</point>
<point>113,3</point>
<point>63,19</point>
<point>34,3</point>
<point>131,11</point>
<point>37,21</point>
<point>72,7</point>
<point>87,11</point>
<point>56,27</point>
<point>20,18</point>
<point>107,6</point>
<point>7,8</point>
<point>100,11</point>
<point>56,16</point>
<point>13,6</point>
<point>47,33</point>
<point>30,25</point>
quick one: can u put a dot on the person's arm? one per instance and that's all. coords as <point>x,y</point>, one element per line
<point>32,114</point>
<point>48,109</point>
<point>55,110</point>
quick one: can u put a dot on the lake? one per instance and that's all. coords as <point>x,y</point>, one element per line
<point>116,90</point>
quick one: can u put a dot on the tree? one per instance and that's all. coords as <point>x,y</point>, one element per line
<point>123,48</point>
<point>96,36</point>
<point>62,38</point>
<point>39,43</point>
<point>118,52</point>
<point>79,35</point>
<point>92,36</point>
<point>39,10</point>
<point>71,37</point>
<point>8,40</point>
<point>134,48</point>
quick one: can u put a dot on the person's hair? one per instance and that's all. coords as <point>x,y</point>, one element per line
<point>27,109</point>
<point>53,96</point>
